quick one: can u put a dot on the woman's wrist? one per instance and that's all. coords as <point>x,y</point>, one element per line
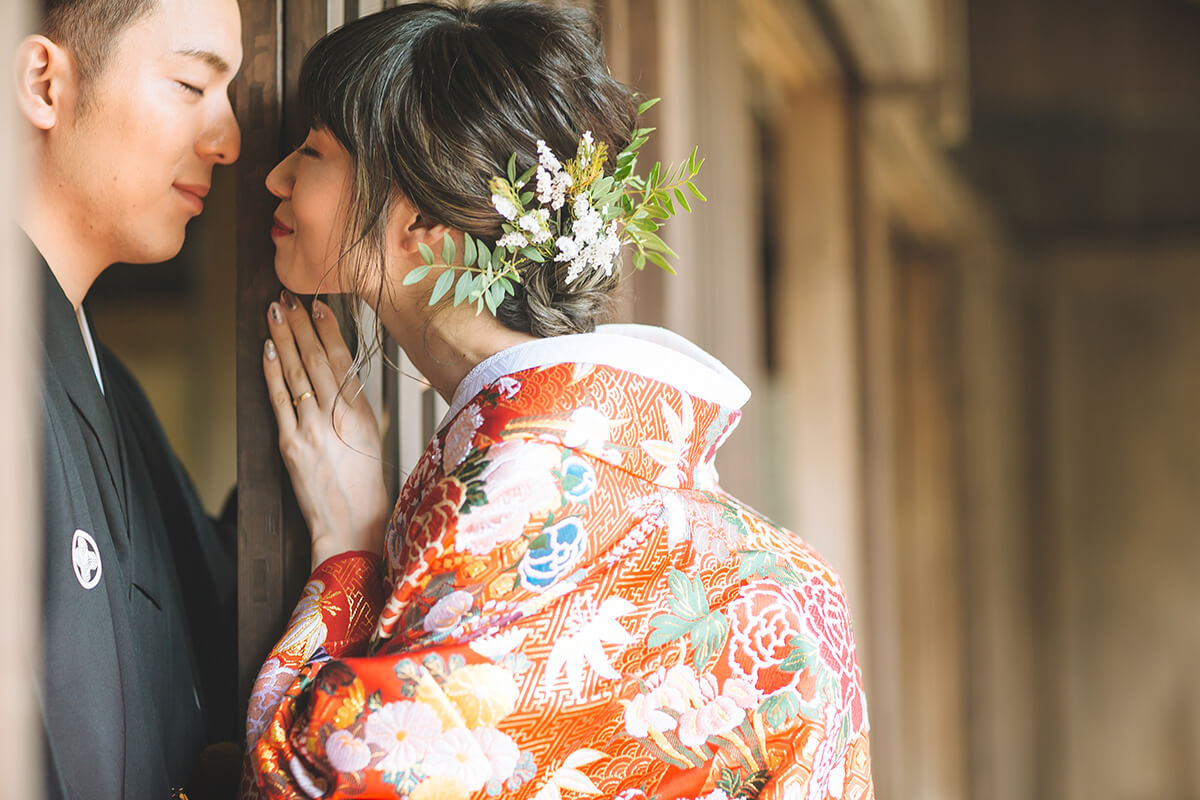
<point>368,539</point>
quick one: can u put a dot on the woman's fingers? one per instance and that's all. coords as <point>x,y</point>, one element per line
<point>289,358</point>
<point>277,390</point>
<point>313,358</point>
<point>340,360</point>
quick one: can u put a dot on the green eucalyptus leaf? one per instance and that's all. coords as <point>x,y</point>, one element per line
<point>649,104</point>
<point>444,282</point>
<point>525,176</point>
<point>533,254</point>
<point>426,252</point>
<point>512,168</point>
<point>493,298</point>
<point>682,198</point>
<point>485,257</point>
<point>469,251</point>
<point>660,261</point>
<point>463,287</point>
<point>448,251</point>
<point>526,197</point>
<point>696,192</point>
<point>639,260</point>
<point>653,242</point>
<point>416,275</point>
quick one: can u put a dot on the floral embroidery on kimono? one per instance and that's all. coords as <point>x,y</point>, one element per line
<point>571,607</point>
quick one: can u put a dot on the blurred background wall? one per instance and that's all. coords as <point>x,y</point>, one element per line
<point>954,248</point>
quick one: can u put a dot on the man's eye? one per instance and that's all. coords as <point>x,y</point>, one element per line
<point>188,87</point>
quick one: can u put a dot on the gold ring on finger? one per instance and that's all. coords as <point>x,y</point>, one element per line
<point>302,398</point>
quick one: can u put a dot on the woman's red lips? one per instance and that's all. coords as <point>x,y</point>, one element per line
<point>279,229</point>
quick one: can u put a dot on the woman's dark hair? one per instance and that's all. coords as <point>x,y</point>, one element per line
<point>432,99</point>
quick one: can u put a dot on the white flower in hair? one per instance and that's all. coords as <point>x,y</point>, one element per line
<point>513,241</point>
<point>552,181</point>
<point>505,207</point>
<point>579,214</point>
<point>537,224</point>
<point>567,249</point>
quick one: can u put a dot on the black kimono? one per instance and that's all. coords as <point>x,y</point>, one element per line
<point>139,615</point>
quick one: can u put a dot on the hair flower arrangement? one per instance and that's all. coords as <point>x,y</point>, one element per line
<point>574,215</point>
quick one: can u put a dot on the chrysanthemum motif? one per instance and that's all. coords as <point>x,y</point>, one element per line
<point>457,752</point>
<point>404,731</point>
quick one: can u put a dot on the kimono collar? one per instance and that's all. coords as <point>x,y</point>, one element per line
<point>645,350</point>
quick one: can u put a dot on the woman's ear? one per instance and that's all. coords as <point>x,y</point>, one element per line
<point>412,228</point>
<point>43,72</point>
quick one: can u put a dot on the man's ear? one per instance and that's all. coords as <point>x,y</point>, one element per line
<point>44,74</point>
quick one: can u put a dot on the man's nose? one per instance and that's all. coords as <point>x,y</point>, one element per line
<point>222,142</point>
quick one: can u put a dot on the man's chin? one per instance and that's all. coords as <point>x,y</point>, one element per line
<point>157,250</point>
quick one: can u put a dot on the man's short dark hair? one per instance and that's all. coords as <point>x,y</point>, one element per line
<point>89,28</point>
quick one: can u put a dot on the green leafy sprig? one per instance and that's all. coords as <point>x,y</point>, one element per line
<point>577,216</point>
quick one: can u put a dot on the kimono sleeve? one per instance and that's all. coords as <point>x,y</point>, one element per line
<point>334,618</point>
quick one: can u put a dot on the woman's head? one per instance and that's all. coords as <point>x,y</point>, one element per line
<point>430,101</point>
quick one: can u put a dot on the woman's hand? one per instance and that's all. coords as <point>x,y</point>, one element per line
<point>328,434</point>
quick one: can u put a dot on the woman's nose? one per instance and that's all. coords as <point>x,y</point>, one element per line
<point>279,180</point>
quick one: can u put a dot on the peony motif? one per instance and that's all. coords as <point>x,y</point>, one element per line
<point>346,752</point>
<point>827,616</point>
<point>447,613</point>
<point>519,484</point>
<point>541,566</point>
<point>435,521</point>
<point>460,436</point>
<point>457,753</point>
<point>829,763</point>
<point>404,731</point>
<point>762,622</point>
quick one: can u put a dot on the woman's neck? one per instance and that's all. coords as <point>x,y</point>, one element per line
<point>445,343</point>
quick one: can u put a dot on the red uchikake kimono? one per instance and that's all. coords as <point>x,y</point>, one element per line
<point>570,607</point>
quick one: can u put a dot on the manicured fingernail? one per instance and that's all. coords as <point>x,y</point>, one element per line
<point>269,350</point>
<point>318,310</point>
<point>276,314</point>
<point>289,300</point>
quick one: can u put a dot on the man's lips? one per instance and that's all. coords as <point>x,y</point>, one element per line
<point>193,193</point>
<point>279,229</point>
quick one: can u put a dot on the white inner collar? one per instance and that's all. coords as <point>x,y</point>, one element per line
<point>90,344</point>
<point>652,352</point>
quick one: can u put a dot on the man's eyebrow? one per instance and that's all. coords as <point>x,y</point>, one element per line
<point>208,57</point>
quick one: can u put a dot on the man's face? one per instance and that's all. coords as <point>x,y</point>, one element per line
<point>136,158</point>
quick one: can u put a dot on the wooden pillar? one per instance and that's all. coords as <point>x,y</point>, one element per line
<point>21,543</point>
<point>818,329</point>
<point>929,548</point>
<point>273,544</point>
